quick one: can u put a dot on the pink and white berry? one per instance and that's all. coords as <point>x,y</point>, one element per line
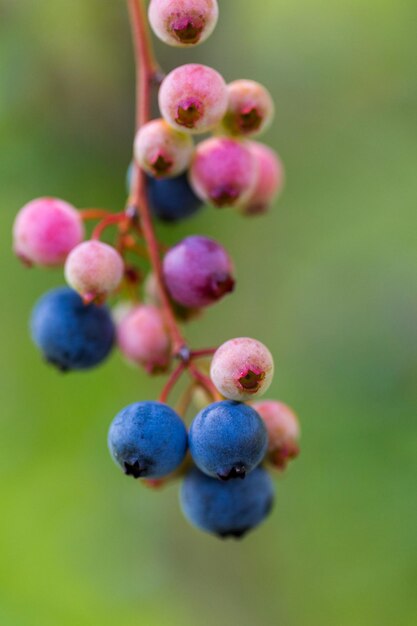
<point>193,98</point>
<point>283,431</point>
<point>162,151</point>
<point>183,23</point>
<point>143,338</point>
<point>242,368</point>
<point>94,269</point>
<point>250,108</point>
<point>270,179</point>
<point>45,231</point>
<point>223,171</point>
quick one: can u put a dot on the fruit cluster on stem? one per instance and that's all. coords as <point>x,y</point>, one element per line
<point>231,437</point>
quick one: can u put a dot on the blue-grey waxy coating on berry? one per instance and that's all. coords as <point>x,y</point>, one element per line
<point>228,440</point>
<point>228,509</point>
<point>148,439</point>
<point>71,335</point>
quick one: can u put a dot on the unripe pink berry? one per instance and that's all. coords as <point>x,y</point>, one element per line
<point>242,368</point>
<point>250,108</point>
<point>270,179</point>
<point>193,98</point>
<point>94,269</point>
<point>223,171</point>
<point>162,151</point>
<point>183,23</point>
<point>283,431</point>
<point>198,272</point>
<point>143,338</point>
<point>45,231</point>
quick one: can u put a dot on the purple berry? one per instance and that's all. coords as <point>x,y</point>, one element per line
<point>223,172</point>
<point>242,368</point>
<point>198,272</point>
<point>193,98</point>
<point>183,23</point>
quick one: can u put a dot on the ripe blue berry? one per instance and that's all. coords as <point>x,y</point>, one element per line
<point>198,272</point>
<point>228,440</point>
<point>148,439</point>
<point>227,509</point>
<point>172,199</point>
<point>71,335</point>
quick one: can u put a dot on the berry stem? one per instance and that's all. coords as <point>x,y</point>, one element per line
<point>147,74</point>
<point>109,220</point>
<point>172,381</point>
<point>93,214</point>
<point>201,354</point>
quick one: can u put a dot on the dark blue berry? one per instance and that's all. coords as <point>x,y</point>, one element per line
<point>172,199</point>
<point>228,440</point>
<point>227,509</point>
<point>70,334</point>
<point>148,439</point>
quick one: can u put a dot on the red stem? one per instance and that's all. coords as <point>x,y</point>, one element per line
<point>172,381</point>
<point>146,73</point>
<point>110,220</point>
<point>201,354</point>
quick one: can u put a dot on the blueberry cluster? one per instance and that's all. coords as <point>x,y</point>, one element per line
<point>223,456</point>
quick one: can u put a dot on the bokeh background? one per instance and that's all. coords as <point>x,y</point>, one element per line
<point>327,280</point>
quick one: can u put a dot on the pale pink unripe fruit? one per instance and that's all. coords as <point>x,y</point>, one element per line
<point>250,108</point>
<point>45,231</point>
<point>94,269</point>
<point>143,338</point>
<point>223,171</point>
<point>193,98</point>
<point>183,23</point>
<point>162,151</point>
<point>242,368</point>
<point>270,179</point>
<point>283,431</point>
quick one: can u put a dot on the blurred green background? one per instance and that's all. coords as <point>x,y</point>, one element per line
<point>327,280</point>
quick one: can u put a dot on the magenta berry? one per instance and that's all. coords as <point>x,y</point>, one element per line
<point>223,172</point>
<point>45,231</point>
<point>250,108</point>
<point>198,272</point>
<point>193,98</point>
<point>183,23</point>
<point>283,431</point>
<point>242,368</point>
<point>94,269</point>
<point>143,339</point>
<point>162,151</point>
<point>270,179</point>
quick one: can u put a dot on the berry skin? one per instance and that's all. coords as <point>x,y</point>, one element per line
<point>198,272</point>
<point>183,23</point>
<point>148,439</point>
<point>223,172</point>
<point>270,179</point>
<point>227,509</point>
<point>193,98</point>
<point>172,199</point>
<point>283,431</point>
<point>162,151</point>
<point>45,231</point>
<point>228,440</point>
<point>242,368</point>
<point>143,339</point>
<point>250,108</point>
<point>94,269</point>
<point>71,335</point>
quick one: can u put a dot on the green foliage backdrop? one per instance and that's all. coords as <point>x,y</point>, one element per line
<point>327,280</point>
